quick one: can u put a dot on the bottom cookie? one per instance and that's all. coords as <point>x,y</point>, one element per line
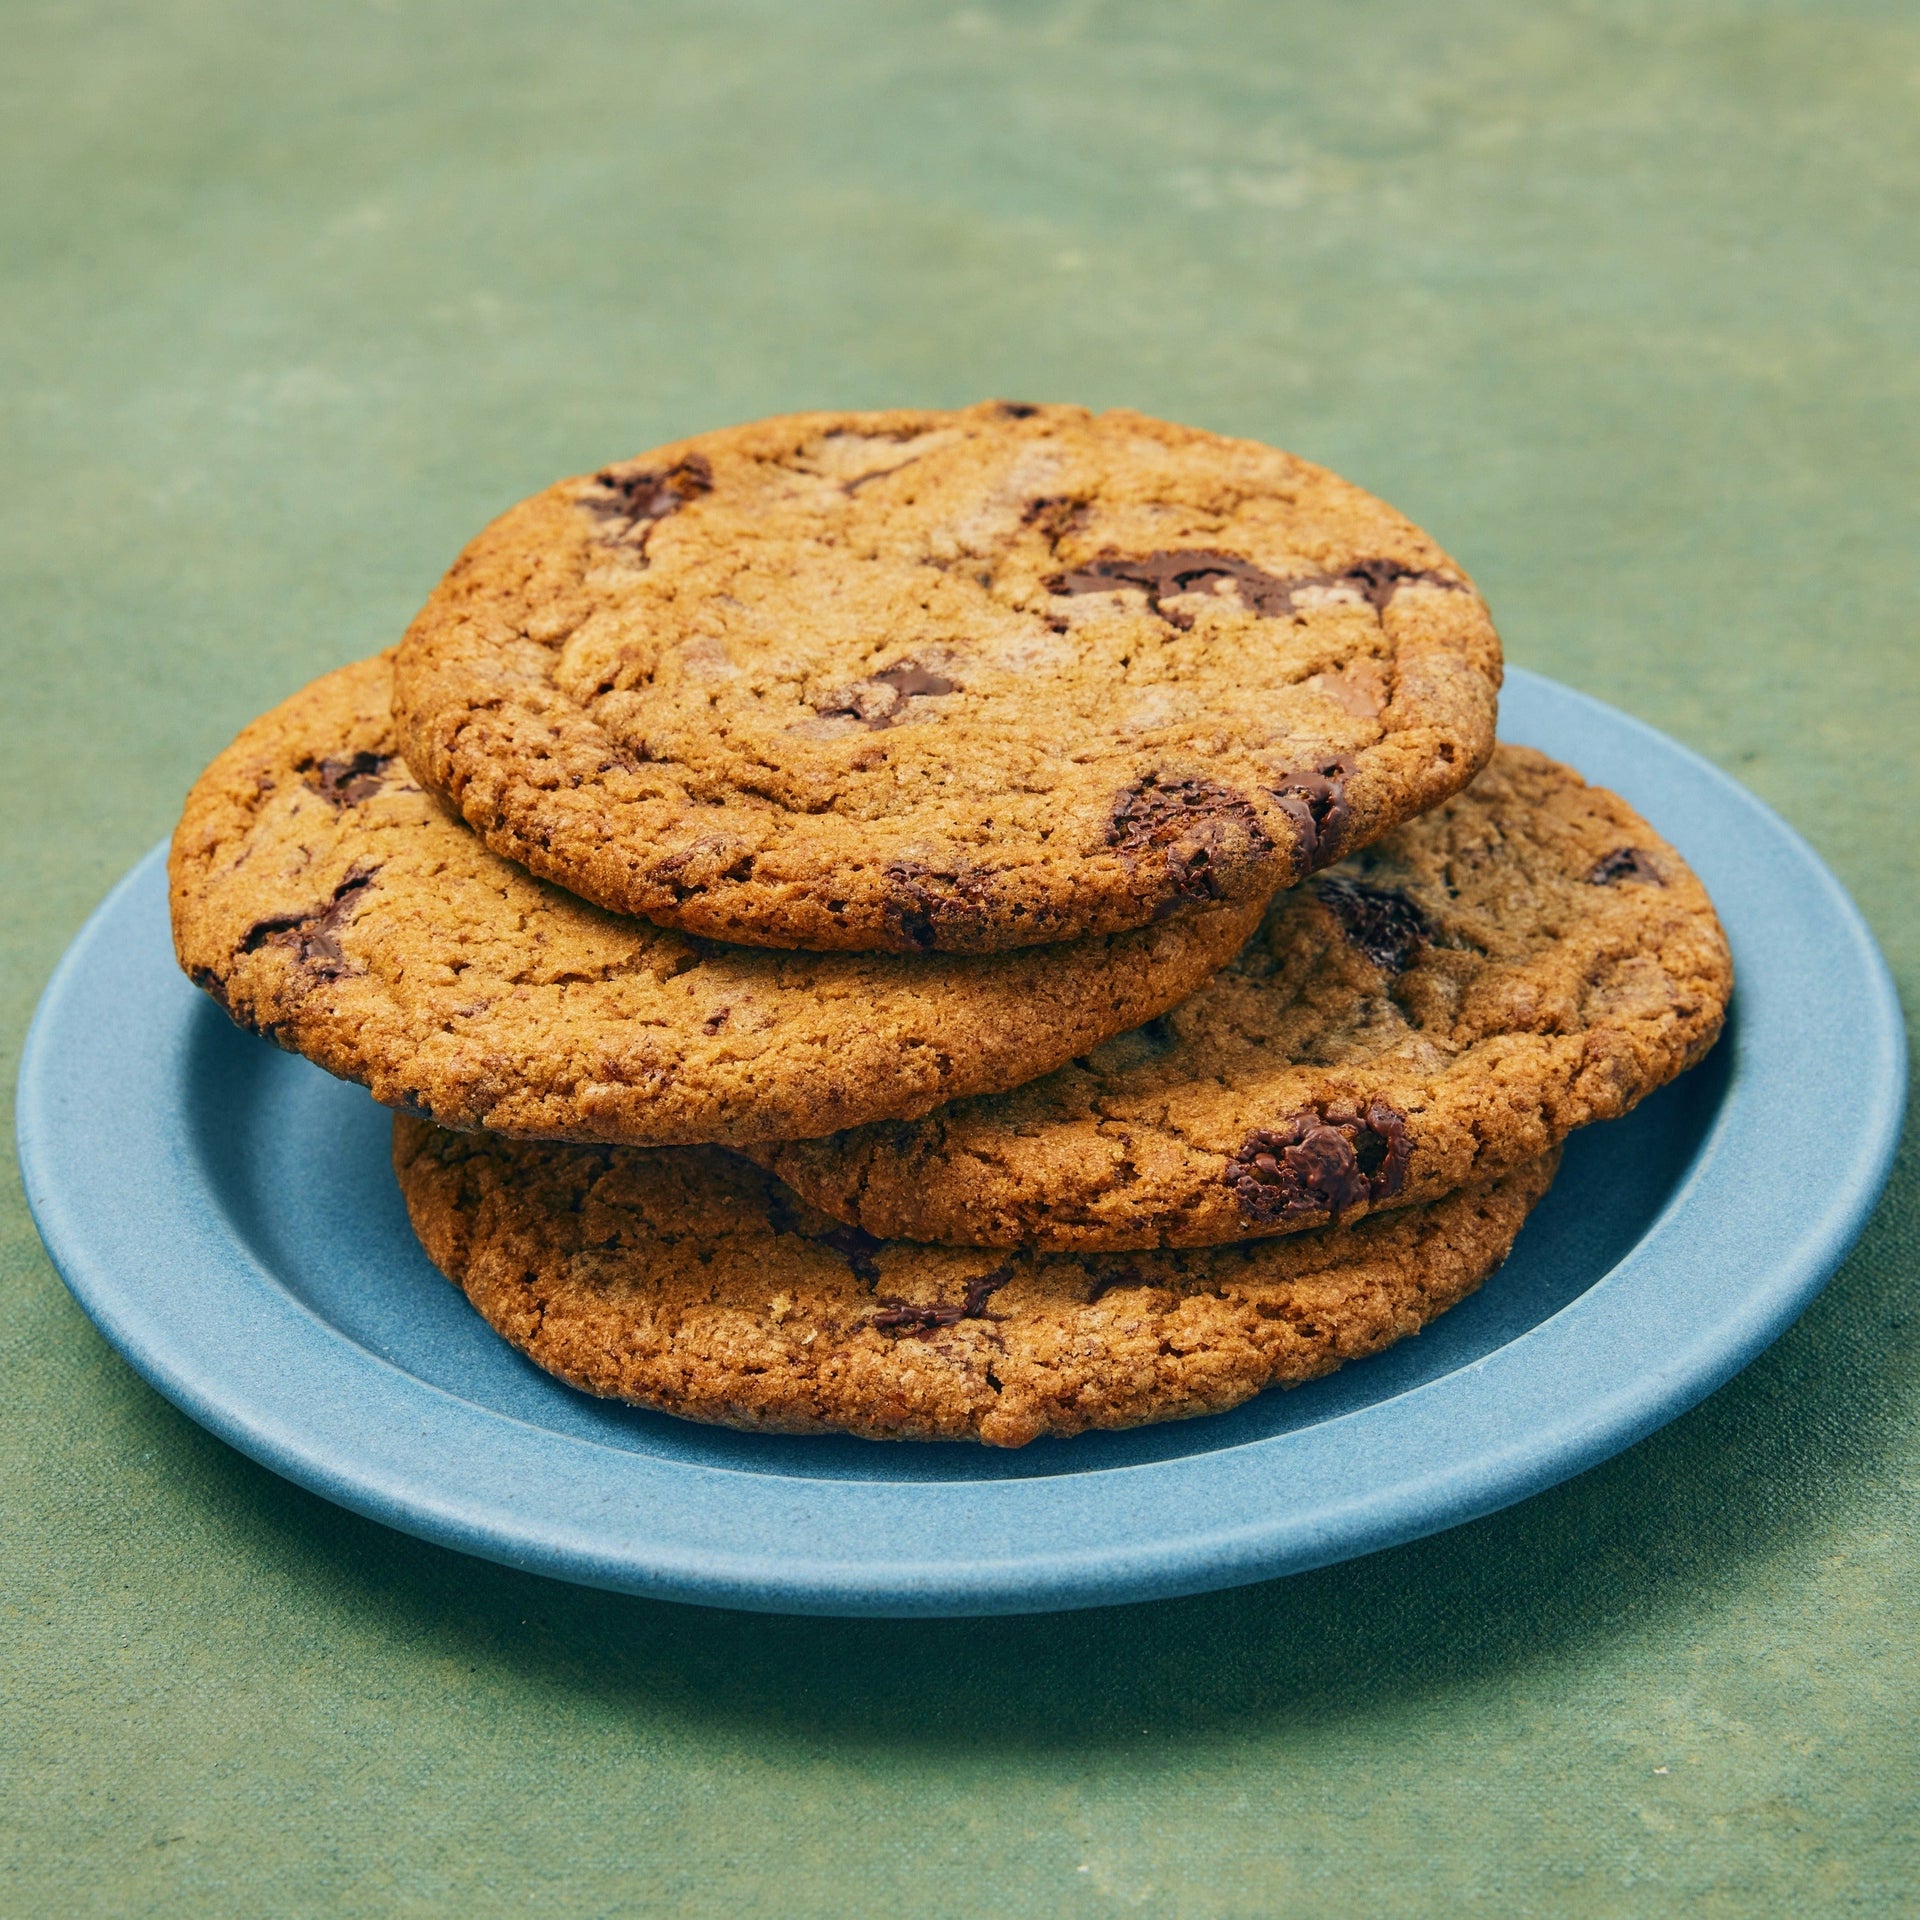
<point>686,1279</point>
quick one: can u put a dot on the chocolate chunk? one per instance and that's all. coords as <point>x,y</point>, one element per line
<point>1017,409</point>
<point>903,1316</point>
<point>1381,921</point>
<point>1055,514</point>
<point>1202,828</point>
<point>638,501</point>
<point>909,678</point>
<point>922,901</point>
<point>1203,569</point>
<point>881,699</point>
<point>1379,580</point>
<point>313,936</point>
<point>345,783</point>
<point>1624,863</point>
<point>1186,570</point>
<point>856,1246</point>
<point>1315,800</point>
<point>1321,1160</point>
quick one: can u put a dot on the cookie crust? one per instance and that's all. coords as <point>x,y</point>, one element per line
<point>689,1281</point>
<point>1434,1011</point>
<point>960,681</point>
<point>326,901</point>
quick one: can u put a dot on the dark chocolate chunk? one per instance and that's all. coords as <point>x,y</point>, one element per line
<point>1379,580</point>
<point>1186,570</point>
<point>1380,921</point>
<point>1202,570</point>
<point>1321,1160</point>
<point>921,901</point>
<point>856,1246</point>
<point>345,783</point>
<point>909,678</point>
<point>637,502</point>
<point>1055,514</point>
<point>881,699</point>
<point>1018,409</point>
<point>1200,826</point>
<point>1315,800</point>
<point>1624,863</point>
<point>313,936</point>
<point>903,1316</point>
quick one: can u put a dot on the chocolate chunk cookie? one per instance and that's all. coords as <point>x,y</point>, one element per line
<point>1434,1011</point>
<point>325,900</point>
<point>687,1280</point>
<point>958,681</point>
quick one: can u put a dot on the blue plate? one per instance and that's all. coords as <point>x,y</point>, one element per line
<point>227,1215</point>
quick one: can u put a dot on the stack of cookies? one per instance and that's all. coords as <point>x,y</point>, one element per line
<point>949,925</point>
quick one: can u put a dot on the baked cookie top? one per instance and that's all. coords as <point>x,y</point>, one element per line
<point>1434,1011</point>
<point>966,681</point>
<point>687,1280</point>
<point>325,900</point>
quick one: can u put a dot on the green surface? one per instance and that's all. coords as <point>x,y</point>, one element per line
<point>1619,300</point>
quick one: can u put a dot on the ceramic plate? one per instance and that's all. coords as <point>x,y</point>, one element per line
<point>227,1216</point>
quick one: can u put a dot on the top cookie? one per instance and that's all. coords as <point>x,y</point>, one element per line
<point>323,899</point>
<point>967,681</point>
<point>1441,1008</point>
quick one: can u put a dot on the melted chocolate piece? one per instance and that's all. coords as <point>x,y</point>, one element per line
<point>345,783</point>
<point>921,901</point>
<point>1054,514</point>
<point>909,678</point>
<point>1379,580</point>
<point>1624,863</point>
<point>1321,1160</point>
<point>881,699</point>
<point>1381,922</point>
<point>1199,825</point>
<point>1018,409</point>
<point>313,935</point>
<point>1315,800</point>
<point>1186,570</point>
<point>902,1316</point>
<point>856,1246</point>
<point>1201,570</point>
<point>639,501</point>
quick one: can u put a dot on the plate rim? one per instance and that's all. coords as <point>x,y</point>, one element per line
<point>412,1472</point>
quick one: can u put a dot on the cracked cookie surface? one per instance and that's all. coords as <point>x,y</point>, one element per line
<point>324,899</point>
<point>687,1280</point>
<point>960,681</point>
<point>1435,1010</point>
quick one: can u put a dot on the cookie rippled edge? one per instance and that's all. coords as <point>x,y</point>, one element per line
<point>689,1281</point>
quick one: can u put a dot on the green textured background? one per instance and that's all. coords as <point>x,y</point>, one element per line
<point>1620,300</point>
